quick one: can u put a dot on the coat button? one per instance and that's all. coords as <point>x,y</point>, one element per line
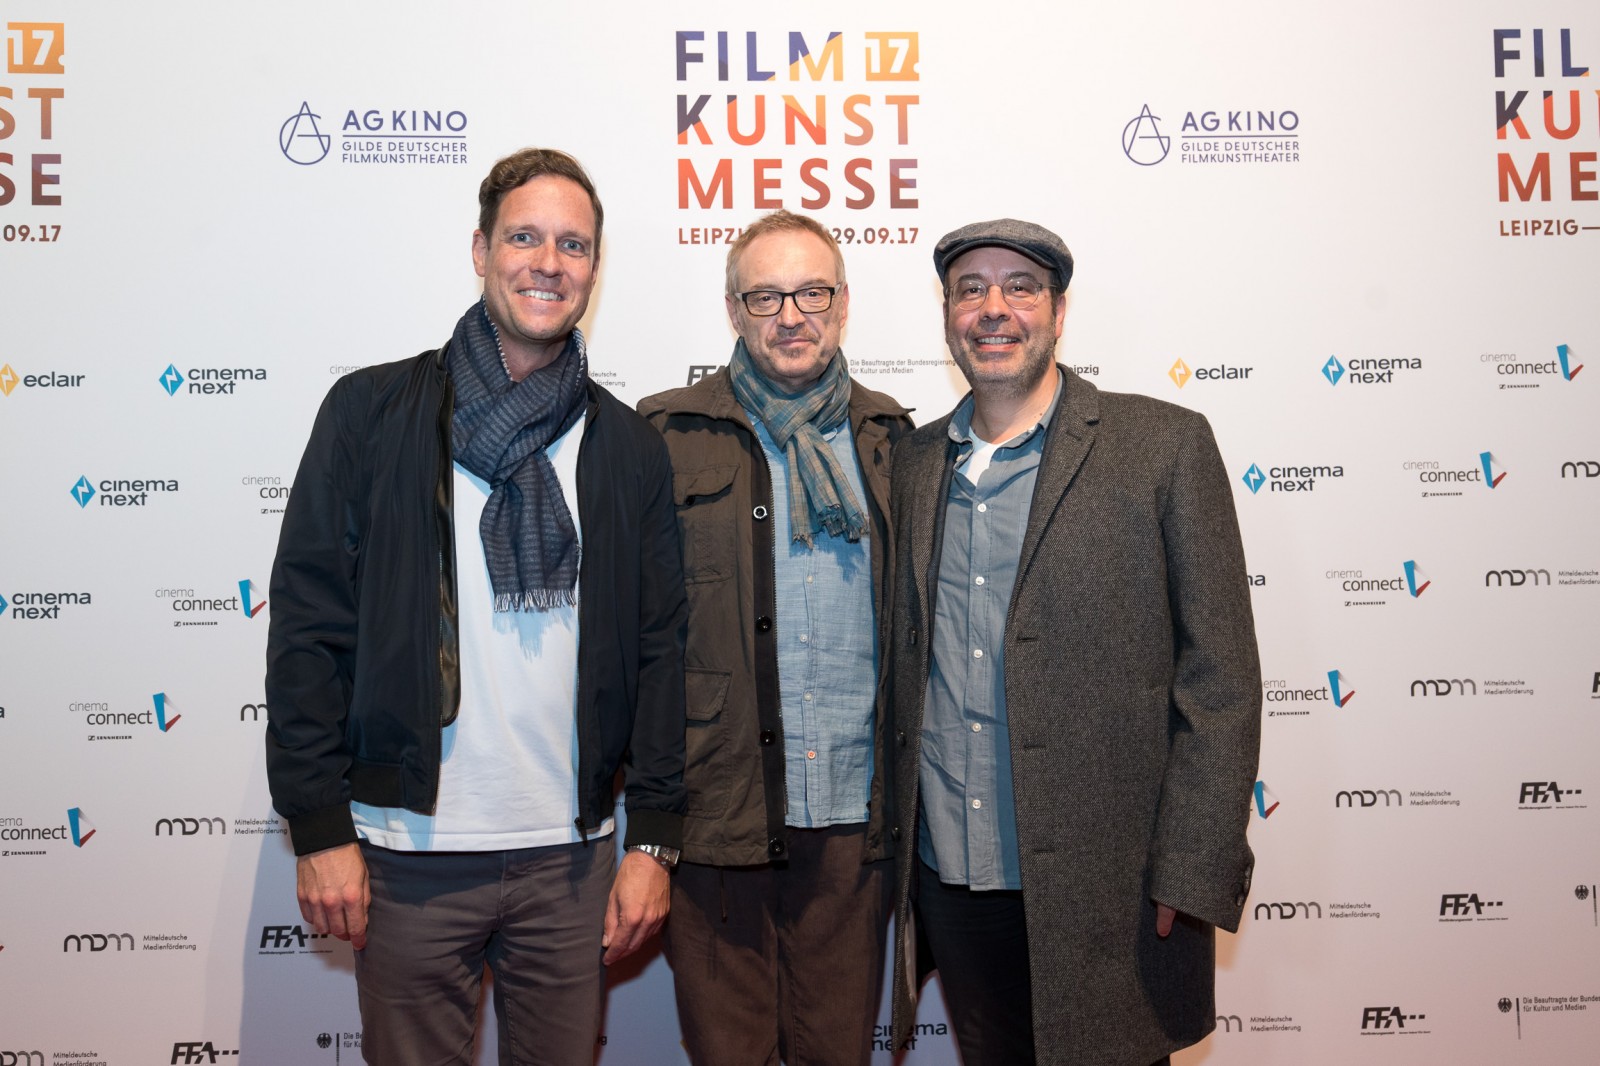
<point>900,737</point>
<point>767,737</point>
<point>894,834</point>
<point>763,624</point>
<point>759,513</point>
<point>774,846</point>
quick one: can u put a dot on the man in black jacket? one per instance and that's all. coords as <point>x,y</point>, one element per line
<point>440,739</point>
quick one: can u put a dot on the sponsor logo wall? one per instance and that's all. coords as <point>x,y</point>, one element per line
<point>1387,324</point>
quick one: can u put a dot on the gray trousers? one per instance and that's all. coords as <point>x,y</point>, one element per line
<point>784,959</point>
<point>438,918</point>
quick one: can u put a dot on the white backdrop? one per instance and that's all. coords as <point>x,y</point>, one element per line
<point>1304,224</point>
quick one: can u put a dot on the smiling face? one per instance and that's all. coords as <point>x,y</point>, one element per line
<point>791,349</point>
<point>538,269</point>
<point>1002,350</point>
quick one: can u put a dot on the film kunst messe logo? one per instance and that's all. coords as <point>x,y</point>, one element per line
<point>1339,685</point>
<point>301,140</point>
<point>1142,139</point>
<point>1266,801</point>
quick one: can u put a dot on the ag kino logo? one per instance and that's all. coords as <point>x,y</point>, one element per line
<point>1515,373</point>
<point>1227,136</point>
<point>248,601</point>
<point>385,136</point>
<point>208,380</point>
<point>120,492</point>
<point>40,606</point>
<point>11,380</point>
<point>1366,371</point>
<point>1288,478</point>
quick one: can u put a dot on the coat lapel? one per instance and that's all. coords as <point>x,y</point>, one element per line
<point>1068,438</point>
<point>923,468</point>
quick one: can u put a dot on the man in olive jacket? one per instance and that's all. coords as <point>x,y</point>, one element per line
<point>1076,690</point>
<point>781,480</point>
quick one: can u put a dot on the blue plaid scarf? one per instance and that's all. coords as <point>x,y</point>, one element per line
<point>820,497</point>
<point>499,432</point>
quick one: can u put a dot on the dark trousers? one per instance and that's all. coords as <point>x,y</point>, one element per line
<point>781,960</point>
<point>979,943</point>
<point>532,916</point>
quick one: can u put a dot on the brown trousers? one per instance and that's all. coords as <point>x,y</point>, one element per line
<point>783,960</point>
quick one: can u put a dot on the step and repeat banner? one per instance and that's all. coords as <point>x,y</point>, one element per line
<point>1362,240</point>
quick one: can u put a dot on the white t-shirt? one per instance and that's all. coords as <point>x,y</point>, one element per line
<point>508,778</point>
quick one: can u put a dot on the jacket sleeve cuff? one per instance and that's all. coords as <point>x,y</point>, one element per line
<point>322,829</point>
<point>654,827</point>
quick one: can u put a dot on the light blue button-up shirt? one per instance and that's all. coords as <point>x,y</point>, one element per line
<point>827,653</point>
<point>968,825</point>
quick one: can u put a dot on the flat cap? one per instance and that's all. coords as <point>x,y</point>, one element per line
<point>1028,238</point>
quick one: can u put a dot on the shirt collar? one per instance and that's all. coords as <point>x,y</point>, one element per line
<point>960,429</point>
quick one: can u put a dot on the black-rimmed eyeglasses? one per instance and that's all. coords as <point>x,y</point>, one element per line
<point>764,303</point>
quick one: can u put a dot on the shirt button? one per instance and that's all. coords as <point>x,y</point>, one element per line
<point>977,805</point>
<point>977,580</point>
<point>811,755</point>
<point>809,579</point>
<point>977,653</point>
<point>982,507</point>
<point>805,638</point>
<point>806,697</point>
<point>977,727</point>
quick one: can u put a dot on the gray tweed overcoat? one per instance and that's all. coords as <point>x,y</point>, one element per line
<point>1133,695</point>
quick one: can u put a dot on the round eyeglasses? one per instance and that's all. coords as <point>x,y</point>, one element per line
<point>1020,292</point>
<point>764,303</point>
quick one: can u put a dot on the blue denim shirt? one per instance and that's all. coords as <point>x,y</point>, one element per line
<point>968,823</point>
<point>827,653</point>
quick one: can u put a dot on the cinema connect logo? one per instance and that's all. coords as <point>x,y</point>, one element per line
<point>1564,354</point>
<point>301,140</point>
<point>250,598</point>
<point>82,828</point>
<point>1142,139</point>
<point>1266,802</point>
<point>166,717</point>
<point>1491,463</point>
<point>1416,580</point>
<point>1339,685</point>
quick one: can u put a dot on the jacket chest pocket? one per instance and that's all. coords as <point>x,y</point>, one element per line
<point>708,521</point>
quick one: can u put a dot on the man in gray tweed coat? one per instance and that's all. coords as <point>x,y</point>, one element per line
<point>1076,691</point>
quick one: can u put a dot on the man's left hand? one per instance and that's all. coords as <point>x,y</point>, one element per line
<point>1164,917</point>
<point>637,907</point>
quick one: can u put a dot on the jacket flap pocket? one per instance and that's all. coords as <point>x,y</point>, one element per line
<point>706,481</point>
<point>706,692</point>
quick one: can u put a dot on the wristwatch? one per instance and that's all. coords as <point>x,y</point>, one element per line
<point>667,857</point>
